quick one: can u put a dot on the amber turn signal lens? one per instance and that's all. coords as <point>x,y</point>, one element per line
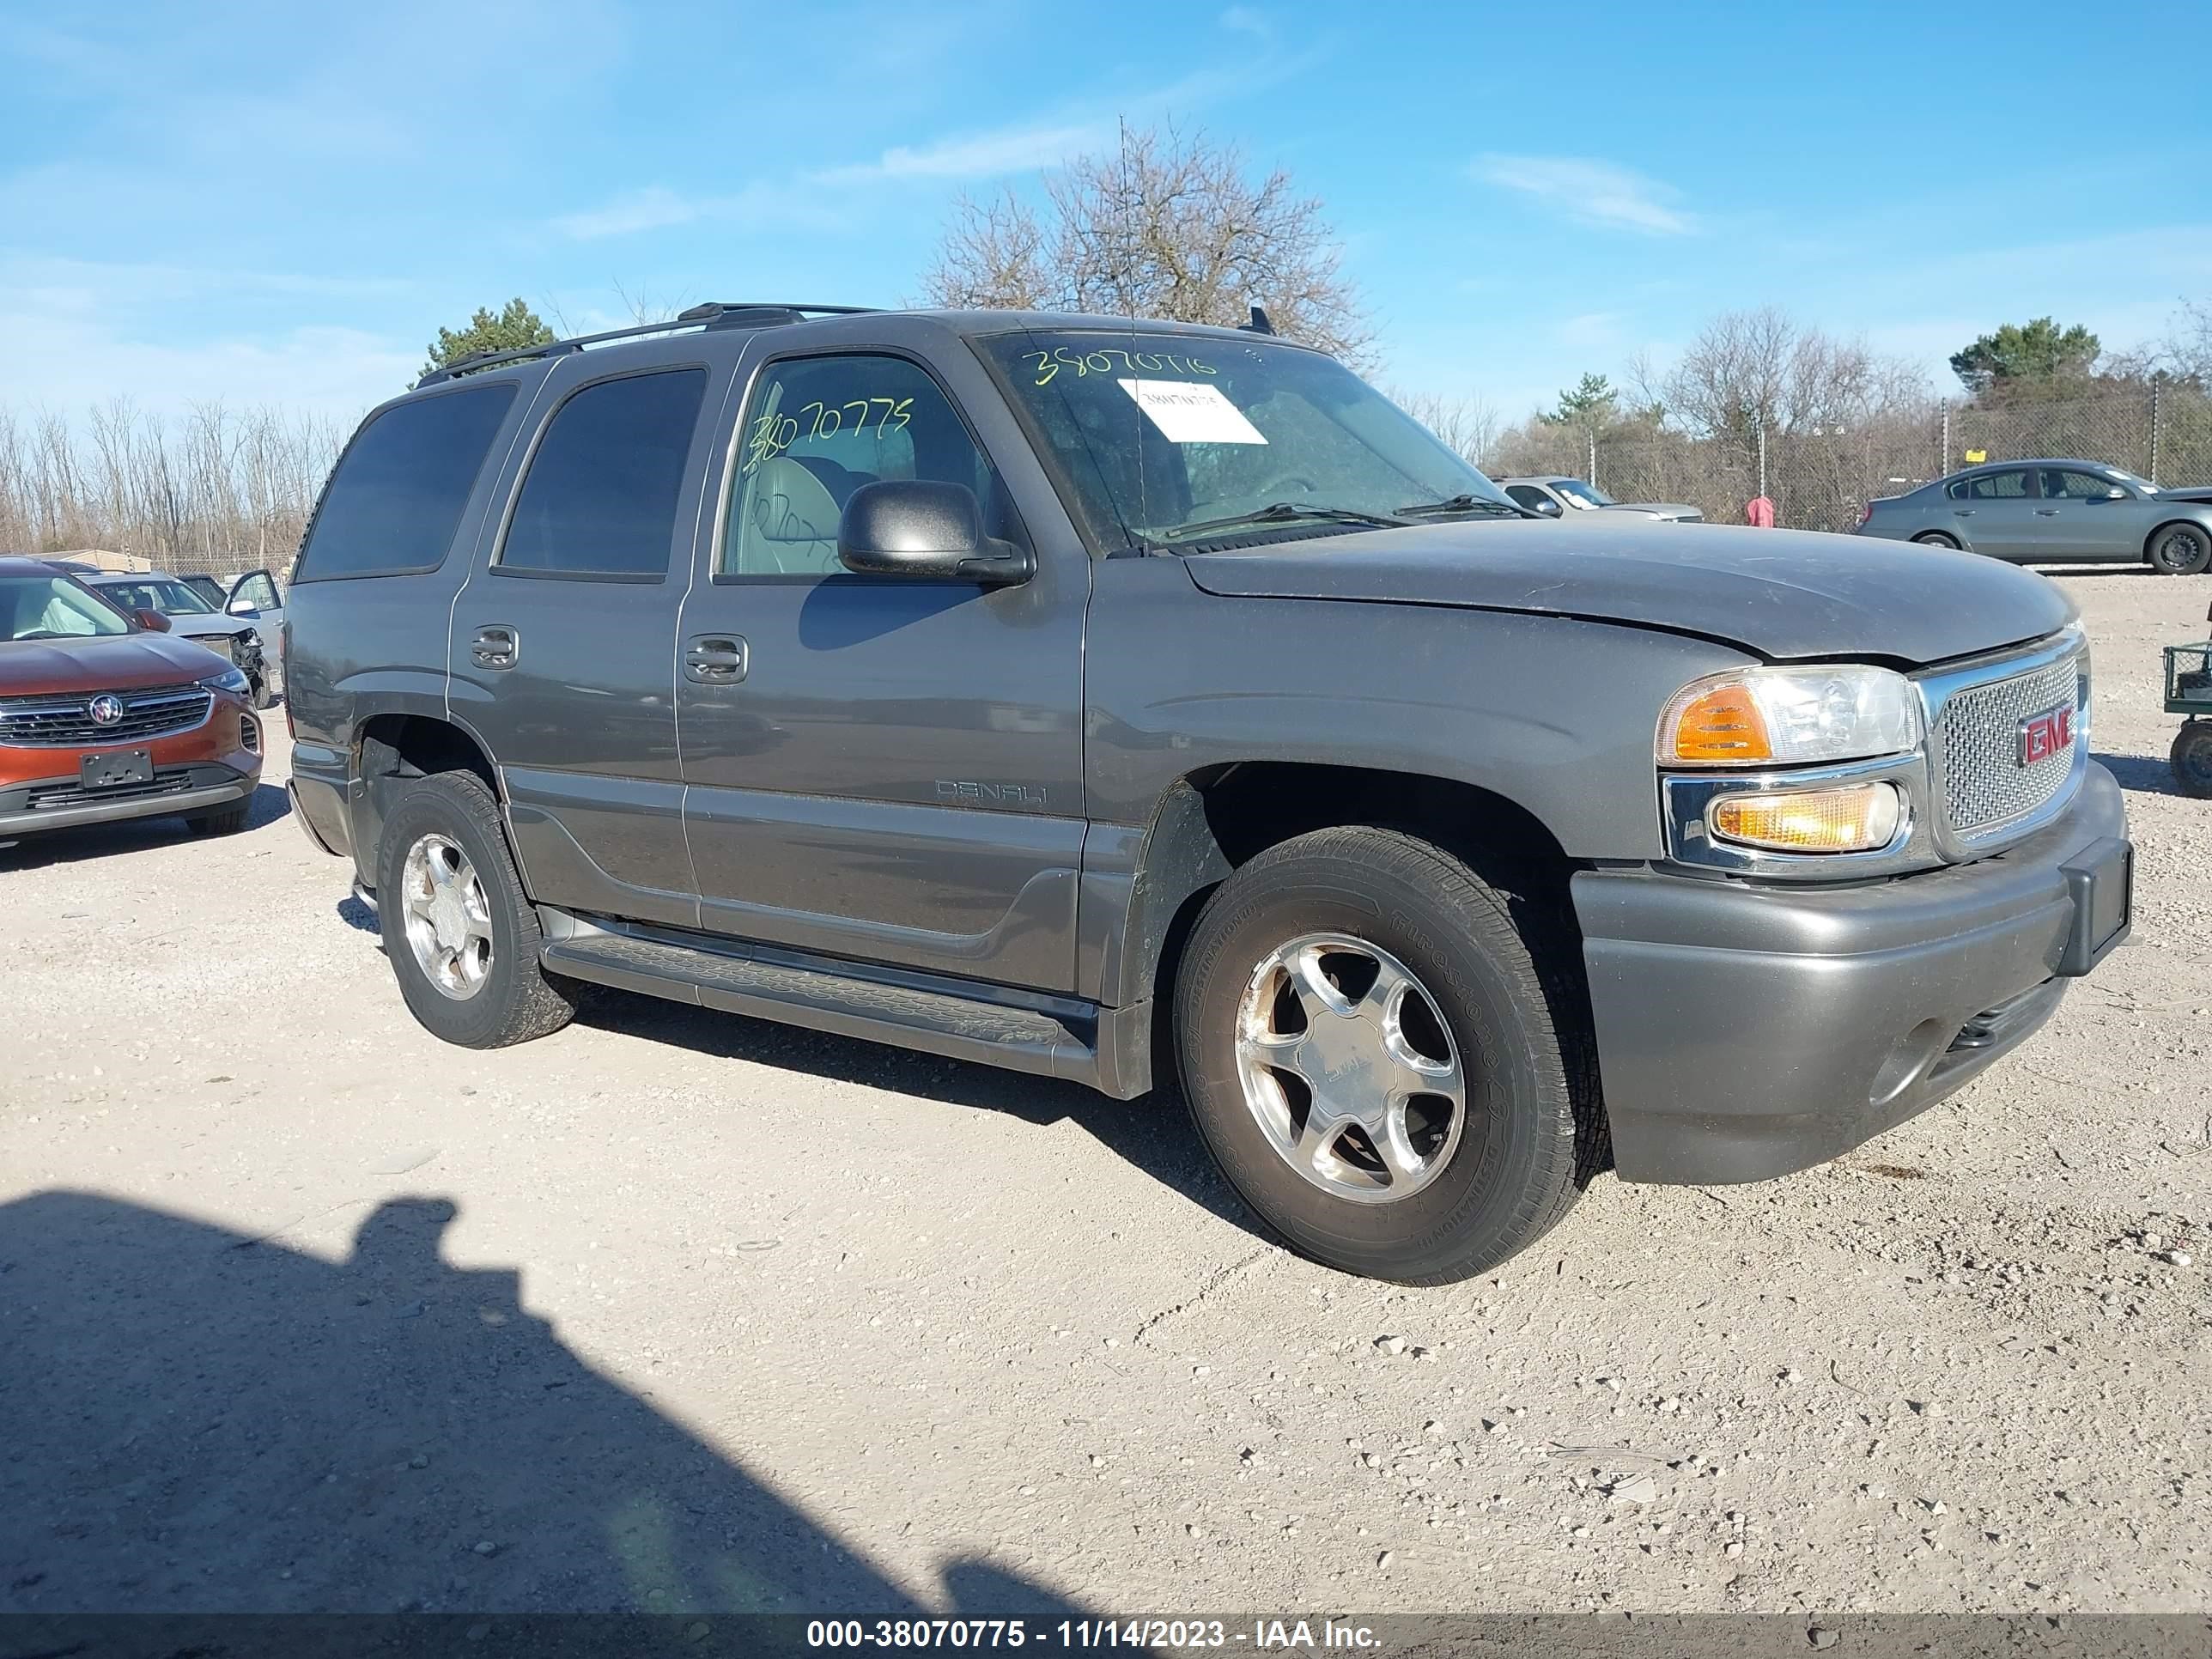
<point>1855,818</point>
<point>1722,724</point>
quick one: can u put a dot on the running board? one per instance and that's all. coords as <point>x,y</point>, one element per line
<point>1060,1043</point>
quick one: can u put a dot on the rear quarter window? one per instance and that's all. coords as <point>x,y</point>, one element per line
<point>394,502</point>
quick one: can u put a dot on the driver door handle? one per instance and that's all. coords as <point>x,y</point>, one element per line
<point>716,659</point>
<point>2046,512</point>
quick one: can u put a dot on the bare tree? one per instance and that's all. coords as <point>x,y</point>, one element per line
<point>1162,225</point>
<point>1468,426</point>
<point>217,490</point>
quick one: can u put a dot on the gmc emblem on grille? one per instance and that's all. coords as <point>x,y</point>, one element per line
<point>2042,736</point>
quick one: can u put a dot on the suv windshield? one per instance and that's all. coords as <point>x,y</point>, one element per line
<point>173,597</point>
<point>1166,438</point>
<point>1580,494</point>
<point>53,608</point>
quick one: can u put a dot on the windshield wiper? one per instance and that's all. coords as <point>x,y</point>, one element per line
<point>1289,512</point>
<point>1468,504</point>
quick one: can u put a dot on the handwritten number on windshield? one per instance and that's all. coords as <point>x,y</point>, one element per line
<point>1048,364</point>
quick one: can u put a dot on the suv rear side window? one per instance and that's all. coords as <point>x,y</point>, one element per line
<point>600,496</point>
<point>396,498</point>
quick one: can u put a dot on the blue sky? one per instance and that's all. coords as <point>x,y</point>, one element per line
<point>283,203</point>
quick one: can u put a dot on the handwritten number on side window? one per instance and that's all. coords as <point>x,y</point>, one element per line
<point>772,434</point>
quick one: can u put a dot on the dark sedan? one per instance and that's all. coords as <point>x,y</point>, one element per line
<point>2062,511</point>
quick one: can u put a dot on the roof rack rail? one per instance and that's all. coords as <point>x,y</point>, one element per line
<point>714,313</point>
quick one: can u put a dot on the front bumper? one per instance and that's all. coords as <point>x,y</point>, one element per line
<point>175,791</point>
<point>1745,1031</point>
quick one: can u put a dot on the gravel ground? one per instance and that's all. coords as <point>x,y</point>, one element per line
<point>301,1310</point>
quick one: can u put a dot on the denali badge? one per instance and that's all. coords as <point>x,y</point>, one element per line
<point>2042,736</point>
<point>105,709</point>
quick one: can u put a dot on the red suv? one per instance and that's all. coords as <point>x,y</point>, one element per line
<point>104,716</point>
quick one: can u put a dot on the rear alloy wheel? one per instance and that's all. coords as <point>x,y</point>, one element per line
<point>2180,549</point>
<point>1938,538</point>
<point>1368,1048</point>
<point>2192,759</point>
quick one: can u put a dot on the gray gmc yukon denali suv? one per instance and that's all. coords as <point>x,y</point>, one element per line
<point>1100,699</point>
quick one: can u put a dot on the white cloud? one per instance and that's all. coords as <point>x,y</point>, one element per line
<point>651,209</point>
<point>1248,20</point>
<point>73,332</point>
<point>1589,191</point>
<point>966,156</point>
<point>1592,328</point>
<point>974,155</point>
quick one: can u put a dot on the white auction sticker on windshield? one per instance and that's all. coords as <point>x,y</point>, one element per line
<point>1188,413</point>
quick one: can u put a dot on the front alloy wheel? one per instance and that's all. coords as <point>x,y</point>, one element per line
<point>1348,1069</point>
<point>1382,1052</point>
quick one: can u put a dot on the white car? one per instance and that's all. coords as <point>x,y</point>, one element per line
<point>1555,497</point>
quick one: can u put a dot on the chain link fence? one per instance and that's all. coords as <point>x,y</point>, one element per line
<point>1819,478</point>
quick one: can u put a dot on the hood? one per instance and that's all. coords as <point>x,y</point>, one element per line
<point>2196,494</point>
<point>34,667</point>
<point>1781,594</point>
<point>193,625</point>
<point>1665,509</point>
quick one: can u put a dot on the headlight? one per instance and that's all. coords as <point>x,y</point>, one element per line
<point>232,680</point>
<point>250,639</point>
<point>1769,716</point>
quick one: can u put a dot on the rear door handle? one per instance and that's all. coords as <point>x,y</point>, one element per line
<point>716,659</point>
<point>2046,512</point>
<point>495,646</point>
<point>1962,511</point>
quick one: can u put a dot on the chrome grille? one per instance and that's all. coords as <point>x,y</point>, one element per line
<point>1977,730</point>
<point>49,722</point>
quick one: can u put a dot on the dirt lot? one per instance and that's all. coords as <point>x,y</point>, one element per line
<point>300,1308</point>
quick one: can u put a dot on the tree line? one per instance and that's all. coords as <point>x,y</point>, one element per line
<point>216,488</point>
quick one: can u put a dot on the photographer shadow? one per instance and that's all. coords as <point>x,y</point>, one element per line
<point>199,1421</point>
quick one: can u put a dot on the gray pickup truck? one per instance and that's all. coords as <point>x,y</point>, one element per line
<point>1098,698</point>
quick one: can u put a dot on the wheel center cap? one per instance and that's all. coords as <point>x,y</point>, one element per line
<point>1338,1055</point>
<point>448,922</point>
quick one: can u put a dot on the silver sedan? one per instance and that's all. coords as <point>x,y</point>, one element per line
<point>2059,511</point>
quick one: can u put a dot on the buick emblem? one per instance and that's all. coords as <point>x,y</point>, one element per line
<point>105,709</point>
<point>2042,736</point>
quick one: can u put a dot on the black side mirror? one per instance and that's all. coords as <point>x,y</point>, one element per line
<point>916,528</point>
<point>153,620</point>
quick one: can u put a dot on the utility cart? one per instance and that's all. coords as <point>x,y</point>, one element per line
<point>2189,691</point>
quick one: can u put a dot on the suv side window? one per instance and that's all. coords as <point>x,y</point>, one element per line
<point>817,429</point>
<point>392,505</point>
<point>2011,486</point>
<point>600,496</point>
<point>1529,497</point>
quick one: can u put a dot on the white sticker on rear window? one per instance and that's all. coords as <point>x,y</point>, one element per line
<point>1188,413</point>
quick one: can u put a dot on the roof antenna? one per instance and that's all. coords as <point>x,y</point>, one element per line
<point>1259,325</point>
